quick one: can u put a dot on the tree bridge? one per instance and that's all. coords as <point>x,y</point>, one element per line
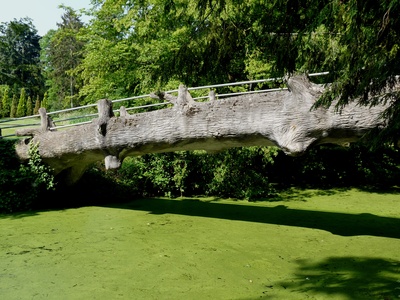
<point>282,118</point>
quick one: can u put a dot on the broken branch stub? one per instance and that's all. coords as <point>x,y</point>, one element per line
<point>105,111</point>
<point>46,123</point>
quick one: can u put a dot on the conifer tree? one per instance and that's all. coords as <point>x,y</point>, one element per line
<point>29,107</point>
<point>5,102</point>
<point>44,101</point>
<point>37,106</point>
<point>20,54</point>
<point>21,108</point>
<point>13,109</point>
<point>1,102</point>
<point>63,53</point>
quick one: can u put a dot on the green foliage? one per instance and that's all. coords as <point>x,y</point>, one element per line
<point>45,103</point>
<point>142,46</point>
<point>21,108</point>
<point>21,185</point>
<point>40,173</point>
<point>368,36</point>
<point>15,189</point>
<point>136,47</point>
<point>253,173</point>
<point>242,173</point>
<point>5,101</point>
<point>19,56</point>
<point>1,102</point>
<point>335,166</point>
<point>61,54</point>
<point>256,172</point>
<point>29,107</point>
<point>37,106</point>
<point>13,109</point>
<point>239,173</point>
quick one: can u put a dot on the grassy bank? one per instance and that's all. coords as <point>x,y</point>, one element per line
<point>8,128</point>
<point>309,244</point>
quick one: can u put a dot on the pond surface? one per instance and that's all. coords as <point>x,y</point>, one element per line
<point>310,245</point>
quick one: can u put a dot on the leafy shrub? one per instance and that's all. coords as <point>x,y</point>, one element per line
<point>257,172</point>
<point>335,166</point>
<point>239,173</point>
<point>39,173</point>
<point>157,174</point>
<point>243,173</point>
<point>21,184</point>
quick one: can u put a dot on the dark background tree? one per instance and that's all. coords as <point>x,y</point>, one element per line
<point>357,42</point>
<point>61,54</point>
<point>19,56</point>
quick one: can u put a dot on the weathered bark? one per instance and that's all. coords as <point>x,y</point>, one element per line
<point>284,119</point>
<point>46,124</point>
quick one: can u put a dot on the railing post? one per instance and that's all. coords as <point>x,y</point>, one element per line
<point>104,107</point>
<point>105,111</point>
<point>45,121</point>
<point>211,95</point>
<point>122,112</point>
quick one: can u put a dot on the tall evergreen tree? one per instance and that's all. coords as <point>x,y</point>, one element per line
<point>13,109</point>
<point>37,106</point>
<point>1,102</point>
<point>62,54</point>
<point>29,106</point>
<point>45,103</point>
<point>19,56</point>
<point>21,108</point>
<point>5,102</point>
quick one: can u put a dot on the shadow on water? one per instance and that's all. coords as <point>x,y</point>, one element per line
<point>351,277</point>
<point>302,193</point>
<point>19,215</point>
<point>337,223</point>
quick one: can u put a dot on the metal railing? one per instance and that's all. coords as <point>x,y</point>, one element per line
<point>94,115</point>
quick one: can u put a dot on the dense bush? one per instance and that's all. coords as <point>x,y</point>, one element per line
<point>243,173</point>
<point>238,172</point>
<point>21,185</point>
<point>258,172</point>
<point>335,166</point>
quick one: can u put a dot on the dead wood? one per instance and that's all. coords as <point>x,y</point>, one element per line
<point>283,118</point>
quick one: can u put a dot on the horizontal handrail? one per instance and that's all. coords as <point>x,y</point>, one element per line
<point>147,105</point>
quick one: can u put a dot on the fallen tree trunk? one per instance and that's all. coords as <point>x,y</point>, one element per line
<point>284,119</point>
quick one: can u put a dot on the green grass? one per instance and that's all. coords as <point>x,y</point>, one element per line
<point>310,244</point>
<point>33,123</point>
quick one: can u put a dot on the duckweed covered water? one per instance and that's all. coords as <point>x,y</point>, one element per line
<point>308,245</point>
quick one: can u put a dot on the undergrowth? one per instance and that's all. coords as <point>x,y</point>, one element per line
<point>252,173</point>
